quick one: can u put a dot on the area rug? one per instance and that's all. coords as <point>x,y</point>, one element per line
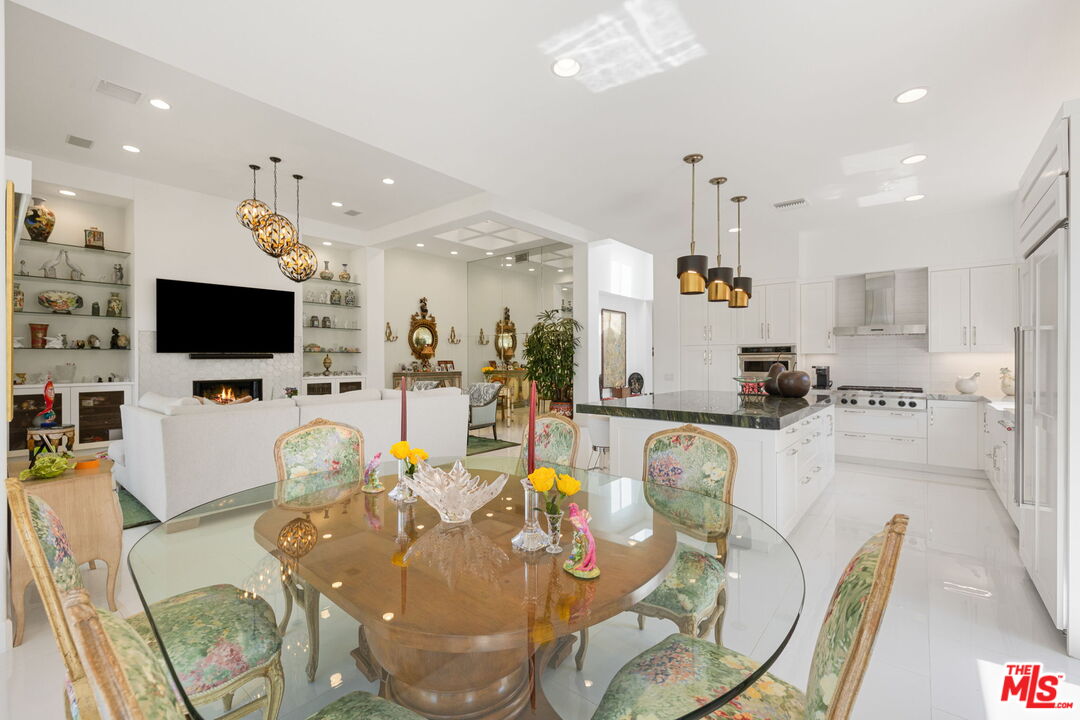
<point>135,513</point>
<point>479,445</point>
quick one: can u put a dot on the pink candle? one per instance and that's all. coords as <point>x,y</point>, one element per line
<point>531,463</point>
<point>404,419</point>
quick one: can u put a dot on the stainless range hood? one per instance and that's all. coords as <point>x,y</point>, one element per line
<point>879,310</point>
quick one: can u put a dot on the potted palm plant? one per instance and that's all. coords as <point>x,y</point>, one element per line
<point>549,357</point>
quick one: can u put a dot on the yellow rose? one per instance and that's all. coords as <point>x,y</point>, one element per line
<point>568,485</point>
<point>542,479</point>
<point>417,454</point>
<point>400,450</point>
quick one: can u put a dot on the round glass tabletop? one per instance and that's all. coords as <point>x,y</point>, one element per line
<point>452,621</point>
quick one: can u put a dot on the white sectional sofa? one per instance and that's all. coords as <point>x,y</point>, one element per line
<point>177,456</point>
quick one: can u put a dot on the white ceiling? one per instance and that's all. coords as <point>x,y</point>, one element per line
<point>786,98</point>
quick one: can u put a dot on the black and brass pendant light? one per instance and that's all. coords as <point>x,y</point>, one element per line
<point>249,212</point>
<point>299,262</point>
<point>720,277</point>
<point>742,289</point>
<point>274,234</point>
<point>691,269</point>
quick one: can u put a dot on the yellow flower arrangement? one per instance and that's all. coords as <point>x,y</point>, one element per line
<point>545,480</point>
<point>568,485</point>
<point>418,454</point>
<point>412,456</point>
<point>400,450</point>
<point>542,479</point>
<point>487,369</point>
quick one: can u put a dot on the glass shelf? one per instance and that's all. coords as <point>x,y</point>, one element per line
<point>23,278</point>
<point>335,282</point>
<point>73,315</point>
<point>27,242</point>
<point>312,327</point>
<point>331,352</point>
<point>84,350</point>
<point>334,305</point>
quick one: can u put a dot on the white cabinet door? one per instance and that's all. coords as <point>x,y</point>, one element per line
<point>950,310</point>
<point>952,434</point>
<point>693,368</point>
<point>780,306</point>
<point>750,320</point>
<point>817,317</point>
<point>721,323</point>
<point>993,308</point>
<point>693,320</point>
<point>721,367</point>
<point>787,488</point>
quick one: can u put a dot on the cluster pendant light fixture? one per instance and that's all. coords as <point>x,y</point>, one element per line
<point>743,287</point>
<point>299,262</point>
<point>251,211</point>
<point>691,269</point>
<point>720,277</point>
<point>274,234</point>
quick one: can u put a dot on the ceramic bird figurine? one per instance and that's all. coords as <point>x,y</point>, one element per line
<point>74,271</point>
<point>582,560</point>
<point>372,483</point>
<point>49,268</point>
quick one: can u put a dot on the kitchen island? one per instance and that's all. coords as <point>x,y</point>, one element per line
<point>785,445</point>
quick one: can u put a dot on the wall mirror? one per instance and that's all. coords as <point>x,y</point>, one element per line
<point>423,335</point>
<point>505,337</point>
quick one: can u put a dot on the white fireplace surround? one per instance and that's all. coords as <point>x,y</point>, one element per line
<point>172,374</point>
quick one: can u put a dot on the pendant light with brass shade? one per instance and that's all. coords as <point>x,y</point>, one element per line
<point>742,289</point>
<point>720,277</point>
<point>274,234</point>
<point>299,262</point>
<point>691,269</point>
<point>249,212</point>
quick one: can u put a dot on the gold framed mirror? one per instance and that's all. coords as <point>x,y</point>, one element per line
<point>505,337</point>
<point>423,335</point>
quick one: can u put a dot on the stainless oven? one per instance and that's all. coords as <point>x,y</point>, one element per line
<point>756,360</point>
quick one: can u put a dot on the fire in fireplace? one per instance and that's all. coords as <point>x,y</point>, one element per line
<point>225,392</point>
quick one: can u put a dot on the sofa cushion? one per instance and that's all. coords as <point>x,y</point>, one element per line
<point>163,403</point>
<point>210,408</point>
<point>351,396</point>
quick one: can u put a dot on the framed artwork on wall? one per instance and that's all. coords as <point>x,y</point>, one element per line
<point>612,348</point>
<point>94,238</point>
<point>445,365</point>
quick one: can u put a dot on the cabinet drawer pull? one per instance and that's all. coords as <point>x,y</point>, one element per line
<point>817,434</point>
<point>902,414</point>
<point>792,451</point>
<point>806,422</point>
<point>853,412</point>
<point>899,439</point>
<point>805,480</point>
<point>791,430</point>
<point>854,435</point>
<point>817,469</point>
<point>807,441</point>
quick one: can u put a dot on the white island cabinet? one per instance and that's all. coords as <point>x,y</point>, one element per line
<point>952,434</point>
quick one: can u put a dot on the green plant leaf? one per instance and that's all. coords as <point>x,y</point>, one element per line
<point>549,355</point>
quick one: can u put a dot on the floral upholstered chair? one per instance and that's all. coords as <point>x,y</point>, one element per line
<point>223,638</point>
<point>483,398</point>
<point>685,459</point>
<point>129,681</point>
<point>684,674</point>
<point>557,438</point>
<point>318,464</point>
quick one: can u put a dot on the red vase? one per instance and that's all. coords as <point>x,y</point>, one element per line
<point>38,331</point>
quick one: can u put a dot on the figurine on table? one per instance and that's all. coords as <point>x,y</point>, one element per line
<point>372,483</point>
<point>582,560</point>
<point>47,417</point>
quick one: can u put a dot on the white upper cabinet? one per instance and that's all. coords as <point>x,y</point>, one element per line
<point>750,320</point>
<point>693,367</point>
<point>780,313</point>
<point>721,323</point>
<point>973,310</point>
<point>817,317</point>
<point>693,320</point>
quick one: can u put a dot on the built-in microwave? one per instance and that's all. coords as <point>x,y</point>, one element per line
<point>755,360</point>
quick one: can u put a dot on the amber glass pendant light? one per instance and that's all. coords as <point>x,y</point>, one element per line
<point>720,277</point>
<point>249,212</point>
<point>742,289</point>
<point>299,262</point>
<point>274,234</point>
<point>691,269</point>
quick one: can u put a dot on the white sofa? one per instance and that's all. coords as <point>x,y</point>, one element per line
<point>177,457</point>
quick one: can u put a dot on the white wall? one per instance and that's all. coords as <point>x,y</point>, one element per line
<point>490,289</point>
<point>639,334</point>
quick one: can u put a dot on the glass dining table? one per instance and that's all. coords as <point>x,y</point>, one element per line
<point>451,621</point>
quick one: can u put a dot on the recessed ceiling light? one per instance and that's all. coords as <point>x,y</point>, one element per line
<point>532,269</point>
<point>388,181</point>
<point>132,149</point>
<point>160,104</point>
<point>489,253</point>
<point>336,204</point>
<point>419,244</point>
<point>327,243</point>
<point>560,270</point>
<point>69,193</point>
<point>453,252</point>
<point>566,67</point>
<point>913,198</point>
<point>508,257</point>
<point>733,229</point>
<point>913,159</point>
<point>912,95</point>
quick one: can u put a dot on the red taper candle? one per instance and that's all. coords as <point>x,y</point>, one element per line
<point>404,418</point>
<point>531,461</point>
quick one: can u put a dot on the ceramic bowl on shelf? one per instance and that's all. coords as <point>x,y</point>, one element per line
<point>60,301</point>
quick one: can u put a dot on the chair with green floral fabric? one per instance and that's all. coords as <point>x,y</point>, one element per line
<point>557,438</point>
<point>684,674</point>
<point>130,682</point>
<point>318,465</point>
<point>227,638</point>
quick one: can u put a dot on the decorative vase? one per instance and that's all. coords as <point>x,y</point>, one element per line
<point>39,221</point>
<point>38,331</point>
<point>793,383</point>
<point>532,536</point>
<point>344,275</point>
<point>335,297</point>
<point>326,273</point>
<point>18,298</point>
<point>1008,382</point>
<point>554,523</point>
<point>114,306</point>
<point>968,385</point>
<point>402,492</point>
<point>326,363</point>
<point>350,298</point>
<point>455,495</point>
<point>95,308</point>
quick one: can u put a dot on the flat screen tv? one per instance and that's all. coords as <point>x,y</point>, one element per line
<point>195,317</point>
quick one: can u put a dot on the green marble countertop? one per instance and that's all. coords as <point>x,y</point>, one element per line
<point>713,408</point>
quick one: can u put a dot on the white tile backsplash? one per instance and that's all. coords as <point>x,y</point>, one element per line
<point>905,360</point>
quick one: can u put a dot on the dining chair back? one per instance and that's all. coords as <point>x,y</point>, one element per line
<point>126,676</point>
<point>318,464</point>
<point>690,458</point>
<point>557,439</point>
<point>48,553</point>
<point>851,623</point>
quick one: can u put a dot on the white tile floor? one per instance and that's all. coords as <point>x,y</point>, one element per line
<point>961,606</point>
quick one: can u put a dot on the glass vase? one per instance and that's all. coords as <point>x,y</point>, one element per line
<point>402,492</point>
<point>554,523</point>
<point>532,536</point>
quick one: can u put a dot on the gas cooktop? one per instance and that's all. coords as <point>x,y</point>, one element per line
<point>882,396</point>
<point>880,388</point>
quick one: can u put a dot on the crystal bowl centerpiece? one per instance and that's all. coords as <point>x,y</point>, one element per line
<point>455,495</point>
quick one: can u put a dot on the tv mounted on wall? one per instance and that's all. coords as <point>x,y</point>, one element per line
<point>202,318</point>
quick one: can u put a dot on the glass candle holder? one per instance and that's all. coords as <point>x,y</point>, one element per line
<point>532,536</point>
<point>402,492</point>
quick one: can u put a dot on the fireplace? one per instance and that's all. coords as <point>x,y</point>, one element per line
<point>225,392</point>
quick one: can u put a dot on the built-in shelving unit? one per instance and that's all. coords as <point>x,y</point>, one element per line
<point>343,336</point>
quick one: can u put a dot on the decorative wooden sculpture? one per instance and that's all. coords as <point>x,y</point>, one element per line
<point>423,336</point>
<point>582,560</point>
<point>505,337</point>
